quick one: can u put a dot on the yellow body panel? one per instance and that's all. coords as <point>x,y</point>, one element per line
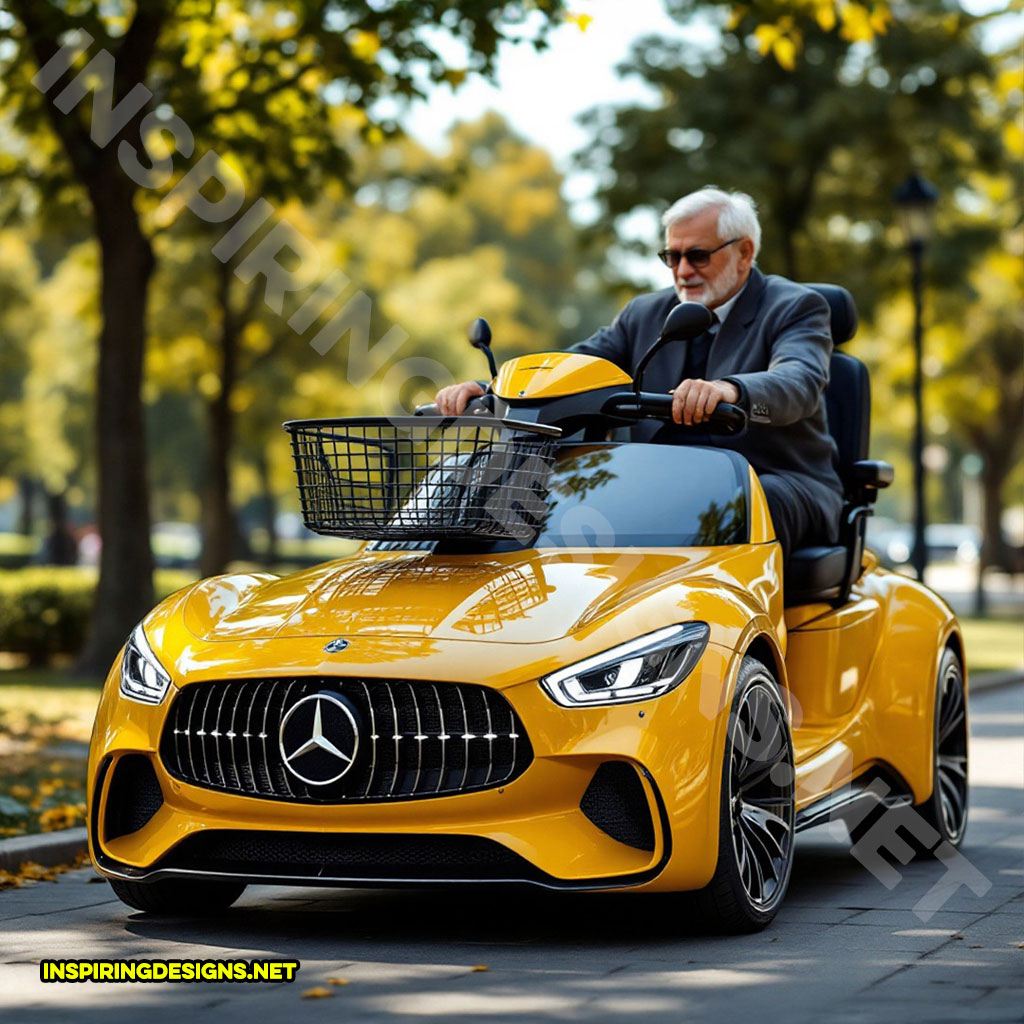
<point>553,374</point>
<point>860,681</point>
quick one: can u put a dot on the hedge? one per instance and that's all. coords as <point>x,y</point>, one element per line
<point>44,610</point>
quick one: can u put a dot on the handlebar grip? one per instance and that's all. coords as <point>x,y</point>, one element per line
<point>479,405</point>
<point>726,419</point>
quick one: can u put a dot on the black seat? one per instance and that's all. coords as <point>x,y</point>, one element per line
<point>826,573</point>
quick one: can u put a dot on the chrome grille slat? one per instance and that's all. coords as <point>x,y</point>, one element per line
<point>284,705</point>
<point>465,740</point>
<point>397,736</point>
<point>373,739</point>
<point>490,738</point>
<point>216,734</point>
<point>418,738</point>
<point>203,733</point>
<point>430,715</point>
<point>443,737</point>
<point>247,736</point>
<point>232,736</point>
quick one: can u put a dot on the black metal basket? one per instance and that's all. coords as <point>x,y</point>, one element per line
<point>423,477</point>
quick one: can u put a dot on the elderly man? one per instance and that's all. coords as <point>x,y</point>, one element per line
<point>768,351</point>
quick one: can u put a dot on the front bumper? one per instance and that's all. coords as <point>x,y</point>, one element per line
<point>532,830</point>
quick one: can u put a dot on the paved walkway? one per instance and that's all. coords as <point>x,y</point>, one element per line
<point>844,948</point>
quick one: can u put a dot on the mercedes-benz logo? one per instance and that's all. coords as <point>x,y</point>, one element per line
<point>319,739</point>
<point>336,645</point>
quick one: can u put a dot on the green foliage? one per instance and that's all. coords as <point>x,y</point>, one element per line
<point>45,611</point>
<point>820,147</point>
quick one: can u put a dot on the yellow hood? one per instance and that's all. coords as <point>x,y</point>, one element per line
<point>520,597</point>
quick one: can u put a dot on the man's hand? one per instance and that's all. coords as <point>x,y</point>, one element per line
<point>452,400</point>
<point>695,400</point>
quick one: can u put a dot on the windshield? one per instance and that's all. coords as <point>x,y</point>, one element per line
<point>632,495</point>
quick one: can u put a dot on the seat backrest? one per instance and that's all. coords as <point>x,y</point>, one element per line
<point>848,395</point>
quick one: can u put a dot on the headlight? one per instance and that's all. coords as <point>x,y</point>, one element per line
<point>143,678</point>
<point>643,668</point>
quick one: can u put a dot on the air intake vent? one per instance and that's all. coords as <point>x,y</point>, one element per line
<point>344,855</point>
<point>616,803</point>
<point>133,798</point>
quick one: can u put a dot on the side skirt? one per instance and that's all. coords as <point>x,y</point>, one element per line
<point>857,798</point>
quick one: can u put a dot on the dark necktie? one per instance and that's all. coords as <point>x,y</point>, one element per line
<point>696,364</point>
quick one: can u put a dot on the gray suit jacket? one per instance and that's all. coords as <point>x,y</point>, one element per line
<point>775,346</point>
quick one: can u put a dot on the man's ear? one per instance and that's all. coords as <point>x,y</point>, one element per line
<point>746,248</point>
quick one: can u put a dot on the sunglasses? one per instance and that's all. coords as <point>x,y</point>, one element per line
<point>695,257</point>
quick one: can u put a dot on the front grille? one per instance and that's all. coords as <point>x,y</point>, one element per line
<point>344,855</point>
<point>416,739</point>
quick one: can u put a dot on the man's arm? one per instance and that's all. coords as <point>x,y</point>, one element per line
<point>792,386</point>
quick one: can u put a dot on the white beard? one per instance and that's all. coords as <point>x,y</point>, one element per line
<point>712,295</point>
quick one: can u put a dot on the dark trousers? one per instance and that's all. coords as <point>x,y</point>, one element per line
<point>799,521</point>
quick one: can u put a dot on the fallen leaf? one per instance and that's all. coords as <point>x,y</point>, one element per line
<point>479,967</point>
<point>318,992</point>
<point>337,981</point>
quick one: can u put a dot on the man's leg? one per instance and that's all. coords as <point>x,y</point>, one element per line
<point>793,514</point>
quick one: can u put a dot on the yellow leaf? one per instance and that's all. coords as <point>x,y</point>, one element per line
<point>880,18</point>
<point>365,45</point>
<point>479,967</point>
<point>581,21</point>
<point>337,981</point>
<point>318,992</point>
<point>766,36</point>
<point>825,13</point>
<point>784,50</point>
<point>856,24</point>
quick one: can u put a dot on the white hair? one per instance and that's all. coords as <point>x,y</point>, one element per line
<point>737,219</point>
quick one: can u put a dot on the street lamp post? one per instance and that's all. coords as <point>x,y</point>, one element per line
<point>915,200</point>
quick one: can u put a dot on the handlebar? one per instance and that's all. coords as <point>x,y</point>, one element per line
<point>478,406</point>
<point>726,419</point>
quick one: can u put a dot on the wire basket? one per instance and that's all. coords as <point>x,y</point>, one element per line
<point>423,477</point>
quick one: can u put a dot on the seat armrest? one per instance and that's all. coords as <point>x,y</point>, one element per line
<point>873,474</point>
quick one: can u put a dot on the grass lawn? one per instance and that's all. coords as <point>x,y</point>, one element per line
<point>996,643</point>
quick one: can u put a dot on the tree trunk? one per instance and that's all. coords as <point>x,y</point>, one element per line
<point>218,518</point>
<point>993,477</point>
<point>125,590</point>
<point>269,509</point>
<point>60,546</point>
<point>27,490</point>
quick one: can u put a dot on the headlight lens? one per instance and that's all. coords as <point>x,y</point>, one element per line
<point>143,678</point>
<point>643,668</point>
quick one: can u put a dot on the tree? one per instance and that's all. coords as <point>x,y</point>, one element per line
<point>823,146</point>
<point>203,72</point>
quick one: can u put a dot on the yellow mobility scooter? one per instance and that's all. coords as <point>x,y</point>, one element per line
<point>560,661</point>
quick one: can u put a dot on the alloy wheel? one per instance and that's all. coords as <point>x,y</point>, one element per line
<point>761,795</point>
<point>951,750</point>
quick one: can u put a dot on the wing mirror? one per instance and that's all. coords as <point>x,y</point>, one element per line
<point>683,322</point>
<point>480,337</point>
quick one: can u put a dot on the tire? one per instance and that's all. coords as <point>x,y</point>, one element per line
<point>946,809</point>
<point>177,897</point>
<point>755,831</point>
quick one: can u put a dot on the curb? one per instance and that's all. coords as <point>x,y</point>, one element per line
<point>980,681</point>
<point>48,849</point>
